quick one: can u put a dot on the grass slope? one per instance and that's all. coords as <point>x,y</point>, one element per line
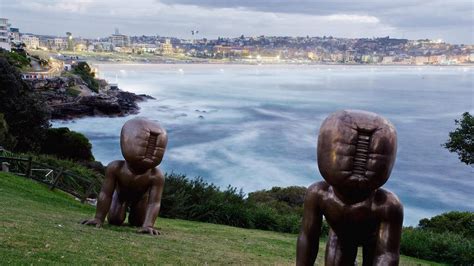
<point>40,226</point>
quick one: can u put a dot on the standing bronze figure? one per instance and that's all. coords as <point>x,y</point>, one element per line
<point>135,183</point>
<point>356,152</point>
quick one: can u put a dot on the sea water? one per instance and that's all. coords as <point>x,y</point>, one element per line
<point>255,127</point>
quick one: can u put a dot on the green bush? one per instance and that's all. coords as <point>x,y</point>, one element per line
<point>67,144</point>
<point>284,200</point>
<point>7,141</point>
<point>444,247</point>
<point>85,72</point>
<point>17,59</point>
<point>461,223</point>
<point>76,178</point>
<point>275,210</point>
<point>200,201</point>
<point>24,110</point>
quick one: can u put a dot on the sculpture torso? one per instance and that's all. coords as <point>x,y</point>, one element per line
<point>131,186</point>
<point>357,222</point>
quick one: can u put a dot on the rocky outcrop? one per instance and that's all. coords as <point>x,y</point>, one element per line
<point>69,98</point>
<point>121,104</point>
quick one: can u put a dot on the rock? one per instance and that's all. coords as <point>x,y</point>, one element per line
<point>65,104</point>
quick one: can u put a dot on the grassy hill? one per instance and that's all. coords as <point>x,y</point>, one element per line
<point>40,226</point>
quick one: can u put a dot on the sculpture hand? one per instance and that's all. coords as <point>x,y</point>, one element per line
<point>95,222</point>
<point>149,230</point>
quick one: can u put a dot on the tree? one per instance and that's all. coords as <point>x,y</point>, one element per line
<point>24,111</point>
<point>461,140</point>
<point>67,144</point>
<point>6,140</point>
<point>457,222</point>
<point>85,72</point>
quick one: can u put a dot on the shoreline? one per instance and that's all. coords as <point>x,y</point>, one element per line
<point>95,62</point>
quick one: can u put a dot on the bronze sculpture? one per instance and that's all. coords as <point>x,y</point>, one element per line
<point>135,183</point>
<point>356,152</point>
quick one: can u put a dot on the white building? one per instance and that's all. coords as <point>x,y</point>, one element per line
<point>31,42</point>
<point>167,47</point>
<point>15,35</point>
<point>120,40</point>
<point>57,44</point>
<point>5,34</point>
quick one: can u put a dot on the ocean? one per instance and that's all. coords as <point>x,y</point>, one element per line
<point>256,126</point>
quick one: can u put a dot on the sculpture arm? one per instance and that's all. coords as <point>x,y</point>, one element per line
<point>308,240</point>
<point>105,196</point>
<point>154,200</point>
<point>387,250</point>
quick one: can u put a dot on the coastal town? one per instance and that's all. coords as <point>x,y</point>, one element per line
<point>120,47</point>
<point>62,68</point>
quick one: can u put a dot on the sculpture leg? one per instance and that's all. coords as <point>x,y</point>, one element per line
<point>368,252</point>
<point>339,253</point>
<point>138,212</point>
<point>117,210</point>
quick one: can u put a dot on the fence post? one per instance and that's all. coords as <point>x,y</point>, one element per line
<point>56,179</point>
<point>28,170</point>
<point>88,191</point>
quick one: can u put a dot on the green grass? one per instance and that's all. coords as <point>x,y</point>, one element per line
<point>73,91</point>
<point>40,226</point>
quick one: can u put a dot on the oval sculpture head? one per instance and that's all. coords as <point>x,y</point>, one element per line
<point>143,143</point>
<point>356,150</point>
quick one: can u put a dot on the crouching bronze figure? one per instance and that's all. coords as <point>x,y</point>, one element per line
<point>134,183</point>
<point>356,152</point>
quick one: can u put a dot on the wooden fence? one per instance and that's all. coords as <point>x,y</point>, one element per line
<point>55,178</point>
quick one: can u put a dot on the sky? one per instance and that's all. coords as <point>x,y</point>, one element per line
<point>449,20</point>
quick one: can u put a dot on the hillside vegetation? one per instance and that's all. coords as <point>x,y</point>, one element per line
<point>42,226</point>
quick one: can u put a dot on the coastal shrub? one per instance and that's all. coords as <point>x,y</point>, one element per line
<point>17,59</point>
<point>24,110</point>
<point>78,183</point>
<point>83,70</point>
<point>443,247</point>
<point>65,164</point>
<point>7,141</point>
<point>73,91</point>
<point>67,144</point>
<point>200,201</point>
<point>70,183</point>
<point>461,223</point>
<point>288,199</point>
<point>194,199</point>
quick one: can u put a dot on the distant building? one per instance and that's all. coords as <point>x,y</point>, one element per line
<point>5,34</point>
<point>80,47</point>
<point>56,44</point>
<point>387,60</point>
<point>31,42</point>
<point>421,60</point>
<point>15,35</point>
<point>167,47</point>
<point>119,40</point>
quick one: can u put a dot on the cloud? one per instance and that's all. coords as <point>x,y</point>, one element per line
<point>451,20</point>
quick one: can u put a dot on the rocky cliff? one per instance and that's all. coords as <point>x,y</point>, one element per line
<point>69,97</point>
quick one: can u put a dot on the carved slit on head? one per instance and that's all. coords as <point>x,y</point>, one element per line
<point>361,156</point>
<point>150,148</point>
